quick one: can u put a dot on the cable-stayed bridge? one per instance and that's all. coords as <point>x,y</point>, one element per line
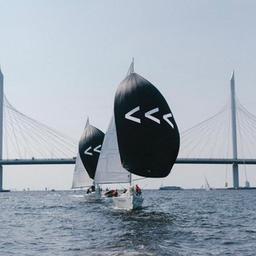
<point>228,137</point>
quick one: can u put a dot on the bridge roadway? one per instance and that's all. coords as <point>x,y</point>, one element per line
<point>39,161</point>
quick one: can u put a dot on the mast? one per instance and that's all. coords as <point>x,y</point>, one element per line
<point>234,131</point>
<point>131,70</point>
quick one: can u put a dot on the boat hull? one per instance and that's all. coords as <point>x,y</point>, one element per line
<point>128,202</point>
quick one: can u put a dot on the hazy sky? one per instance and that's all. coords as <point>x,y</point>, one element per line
<point>63,60</point>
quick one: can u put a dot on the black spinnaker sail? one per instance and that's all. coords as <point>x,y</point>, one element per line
<point>147,134</point>
<point>89,148</point>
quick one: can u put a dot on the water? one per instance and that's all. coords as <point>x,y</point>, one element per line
<point>171,223</point>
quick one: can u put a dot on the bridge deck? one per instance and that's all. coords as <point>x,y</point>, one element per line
<point>178,161</point>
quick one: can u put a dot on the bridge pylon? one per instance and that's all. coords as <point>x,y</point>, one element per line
<point>1,126</point>
<point>234,131</point>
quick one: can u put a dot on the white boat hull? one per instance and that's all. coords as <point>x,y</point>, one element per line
<point>90,196</point>
<point>128,202</point>
<point>93,196</point>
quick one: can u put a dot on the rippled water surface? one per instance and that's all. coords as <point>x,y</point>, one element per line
<point>189,222</point>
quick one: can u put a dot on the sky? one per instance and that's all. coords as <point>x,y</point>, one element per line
<point>63,60</point>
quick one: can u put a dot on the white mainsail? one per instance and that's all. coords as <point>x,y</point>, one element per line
<point>80,177</point>
<point>109,169</point>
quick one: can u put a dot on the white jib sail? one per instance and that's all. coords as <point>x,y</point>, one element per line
<point>80,177</point>
<point>109,169</point>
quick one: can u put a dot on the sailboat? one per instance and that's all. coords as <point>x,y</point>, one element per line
<point>207,185</point>
<point>142,138</point>
<point>87,158</point>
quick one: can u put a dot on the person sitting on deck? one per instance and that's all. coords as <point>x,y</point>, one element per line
<point>138,190</point>
<point>109,193</point>
<point>115,193</point>
<point>90,189</point>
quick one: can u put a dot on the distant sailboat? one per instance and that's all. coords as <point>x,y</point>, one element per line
<point>142,138</point>
<point>207,185</point>
<point>87,158</point>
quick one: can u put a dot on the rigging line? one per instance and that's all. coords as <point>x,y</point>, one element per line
<point>221,137</point>
<point>28,143</point>
<point>16,125</point>
<point>50,130</point>
<point>14,134</point>
<point>5,134</point>
<point>33,143</point>
<point>62,142</point>
<point>40,127</point>
<point>58,145</point>
<point>228,151</point>
<point>197,132</point>
<point>251,133</point>
<point>203,128</point>
<point>12,142</point>
<point>43,141</point>
<point>248,117</point>
<point>250,136</point>
<point>187,148</point>
<point>240,134</point>
<point>139,179</point>
<point>199,141</point>
<point>190,137</point>
<point>249,114</point>
<point>33,138</point>
<point>207,140</point>
<point>25,145</point>
<point>60,139</point>
<point>250,121</point>
<point>21,133</point>
<point>41,133</point>
<point>206,135</point>
<point>54,132</point>
<point>228,134</point>
<point>241,141</point>
<point>217,137</point>
<point>199,126</point>
<point>206,120</point>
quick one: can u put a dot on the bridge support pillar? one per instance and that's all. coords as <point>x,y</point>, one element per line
<point>1,178</point>
<point>1,127</point>
<point>234,132</point>
<point>235,176</point>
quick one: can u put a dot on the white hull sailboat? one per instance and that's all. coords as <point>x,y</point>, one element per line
<point>110,171</point>
<point>86,161</point>
<point>128,201</point>
<point>207,185</point>
<point>142,139</point>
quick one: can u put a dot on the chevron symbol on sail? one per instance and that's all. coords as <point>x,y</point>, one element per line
<point>132,118</point>
<point>150,113</point>
<point>166,116</point>
<point>97,149</point>
<point>86,152</point>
